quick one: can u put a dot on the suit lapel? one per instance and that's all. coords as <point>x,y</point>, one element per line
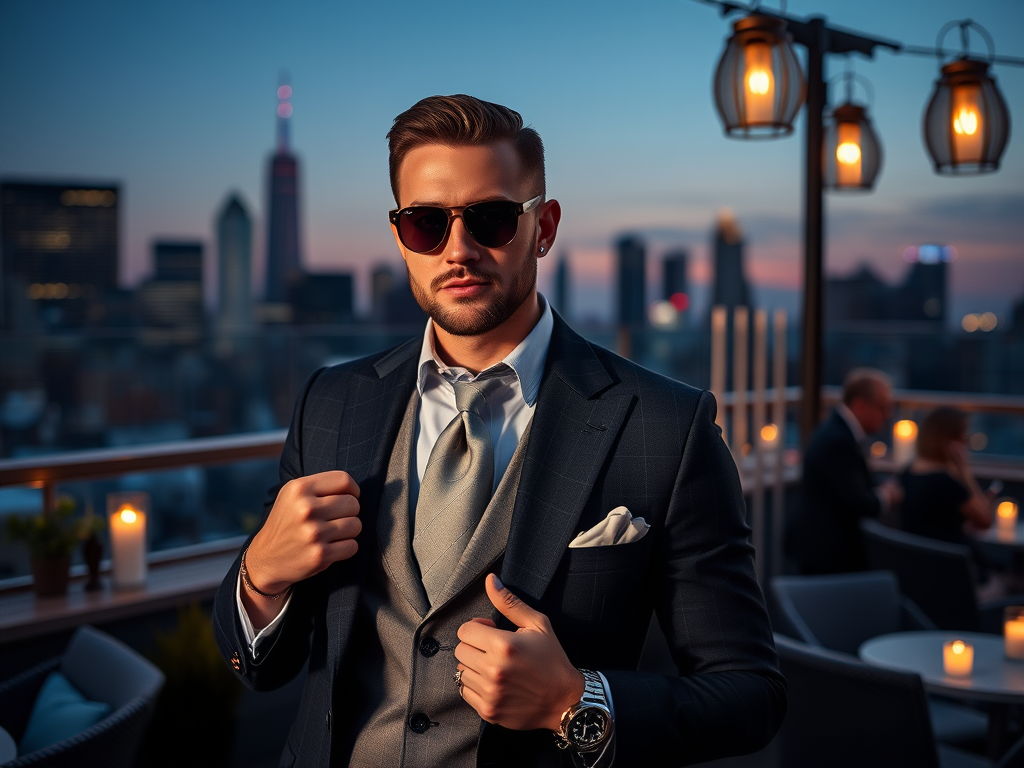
<point>394,534</point>
<point>374,400</point>
<point>579,415</point>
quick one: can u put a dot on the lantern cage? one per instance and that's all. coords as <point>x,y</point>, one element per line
<point>852,155</point>
<point>966,122</point>
<point>759,86</point>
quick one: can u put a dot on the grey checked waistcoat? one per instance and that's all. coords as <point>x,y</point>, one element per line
<point>407,712</point>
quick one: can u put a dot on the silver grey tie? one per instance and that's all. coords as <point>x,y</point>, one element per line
<point>456,488</point>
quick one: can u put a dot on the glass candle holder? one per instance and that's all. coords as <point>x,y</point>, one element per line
<point>1013,631</point>
<point>957,658</point>
<point>127,513</point>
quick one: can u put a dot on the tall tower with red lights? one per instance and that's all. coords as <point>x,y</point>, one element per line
<point>284,265</point>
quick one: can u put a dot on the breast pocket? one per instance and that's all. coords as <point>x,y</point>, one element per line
<point>601,581</point>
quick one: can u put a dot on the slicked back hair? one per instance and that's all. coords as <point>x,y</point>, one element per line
<point>865,383</point>
<point>462,120</point>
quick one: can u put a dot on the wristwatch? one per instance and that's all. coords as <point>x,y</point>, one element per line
<point>587,724</point>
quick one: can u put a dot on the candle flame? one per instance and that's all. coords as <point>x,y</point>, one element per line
<point>1007,510</point>
<point>966,122</point>
<point>769,432</point>
<point>848,153</point>
<point>128,515</point>
<point>958,647</point>
<point>759,82</point>
<point>905,429</point>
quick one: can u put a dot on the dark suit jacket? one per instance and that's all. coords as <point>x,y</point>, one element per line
<point>837,490</point>
<point>605,433</point>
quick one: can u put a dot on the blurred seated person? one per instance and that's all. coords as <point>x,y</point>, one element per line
<point>837,487</point>
<point>942,499</point>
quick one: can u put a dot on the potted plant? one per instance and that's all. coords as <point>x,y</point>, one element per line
<point>51,539</point>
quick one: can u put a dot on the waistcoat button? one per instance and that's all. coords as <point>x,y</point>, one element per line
<point>429,646</point>
<point>419,723</point>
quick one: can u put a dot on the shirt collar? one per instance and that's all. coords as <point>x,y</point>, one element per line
<point>851,422</point>
<point>527,359</point>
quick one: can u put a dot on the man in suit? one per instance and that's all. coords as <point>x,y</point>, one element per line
<point>607,494</point>
<point>838,488</point>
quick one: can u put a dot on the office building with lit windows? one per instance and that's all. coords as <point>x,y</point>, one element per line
<point>59,250</point>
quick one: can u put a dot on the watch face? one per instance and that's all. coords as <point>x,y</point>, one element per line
<point>588,727</point>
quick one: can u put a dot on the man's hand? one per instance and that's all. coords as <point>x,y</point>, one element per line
<point>520,680</point>
<point>313,523</point>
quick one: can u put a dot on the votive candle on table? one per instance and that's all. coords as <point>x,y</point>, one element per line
<point>1006,514</point>
<point>957,657</point>
<point>1013,631</point>
<point>904,442</point>
<point>127,513</point>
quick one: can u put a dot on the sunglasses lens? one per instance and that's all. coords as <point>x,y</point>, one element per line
<point>422,229</point>
<point>492,224</point>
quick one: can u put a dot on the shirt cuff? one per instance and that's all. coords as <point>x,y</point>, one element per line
<point>258,647</point>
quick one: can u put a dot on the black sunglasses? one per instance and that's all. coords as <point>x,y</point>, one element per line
<point>493,224</point>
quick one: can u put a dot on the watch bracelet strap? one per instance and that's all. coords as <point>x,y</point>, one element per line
<point>593,693</point>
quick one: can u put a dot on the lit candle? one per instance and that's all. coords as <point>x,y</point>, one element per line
<point>904,438</point>
<point>127,540</point>
<point>1013,636</point>
<point>957,657</point>
<point>1006,515</point>
<point>848,167</point>
<point>759,82</point>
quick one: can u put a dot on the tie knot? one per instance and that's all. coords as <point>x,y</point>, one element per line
<point>471,395</point>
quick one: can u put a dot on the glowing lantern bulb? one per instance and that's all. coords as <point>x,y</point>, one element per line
<point>848,153</point>
<point>759,82</point>
<point>965,123</point>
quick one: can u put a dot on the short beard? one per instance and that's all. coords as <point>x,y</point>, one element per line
<point>469,320</point>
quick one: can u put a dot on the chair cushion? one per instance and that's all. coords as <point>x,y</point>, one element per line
<point>59,712</point>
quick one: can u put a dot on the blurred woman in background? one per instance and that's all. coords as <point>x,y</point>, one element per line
<point>941,495</point>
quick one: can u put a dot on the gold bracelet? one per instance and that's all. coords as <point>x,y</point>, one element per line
<point>252,587</point>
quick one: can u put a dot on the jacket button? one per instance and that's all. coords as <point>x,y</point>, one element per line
<point>419,723</point>
<point>328,721</point>
<point>236,662</point>
<point>429,646</point>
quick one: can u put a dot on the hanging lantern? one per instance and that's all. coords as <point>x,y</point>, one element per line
<point>759,86</point>
<point>852,153</point>
<point>966,122</point>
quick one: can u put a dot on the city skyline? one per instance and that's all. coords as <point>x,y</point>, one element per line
<point>179,138</point>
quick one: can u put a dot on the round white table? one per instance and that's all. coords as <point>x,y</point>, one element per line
<point>995,679</point>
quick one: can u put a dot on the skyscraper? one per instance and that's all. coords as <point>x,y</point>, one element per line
<point>284,264</point>
<point>632,257</point>
<point>234,252</point>
<point>173,297</point>
<point>562,277</point>
<point>730,288</point>
<point>59,245</point>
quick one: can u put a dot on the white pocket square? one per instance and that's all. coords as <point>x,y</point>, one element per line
<point>619,527</point>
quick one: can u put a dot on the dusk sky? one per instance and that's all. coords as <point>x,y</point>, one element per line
<point>176,102</point>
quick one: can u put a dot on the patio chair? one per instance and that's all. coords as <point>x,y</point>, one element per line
<point>844,713</point>
<point>107,674</point>
<point>941,578</point>
<point>841,611</point>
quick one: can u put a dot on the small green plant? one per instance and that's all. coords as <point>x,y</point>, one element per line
<point>56,534</point>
